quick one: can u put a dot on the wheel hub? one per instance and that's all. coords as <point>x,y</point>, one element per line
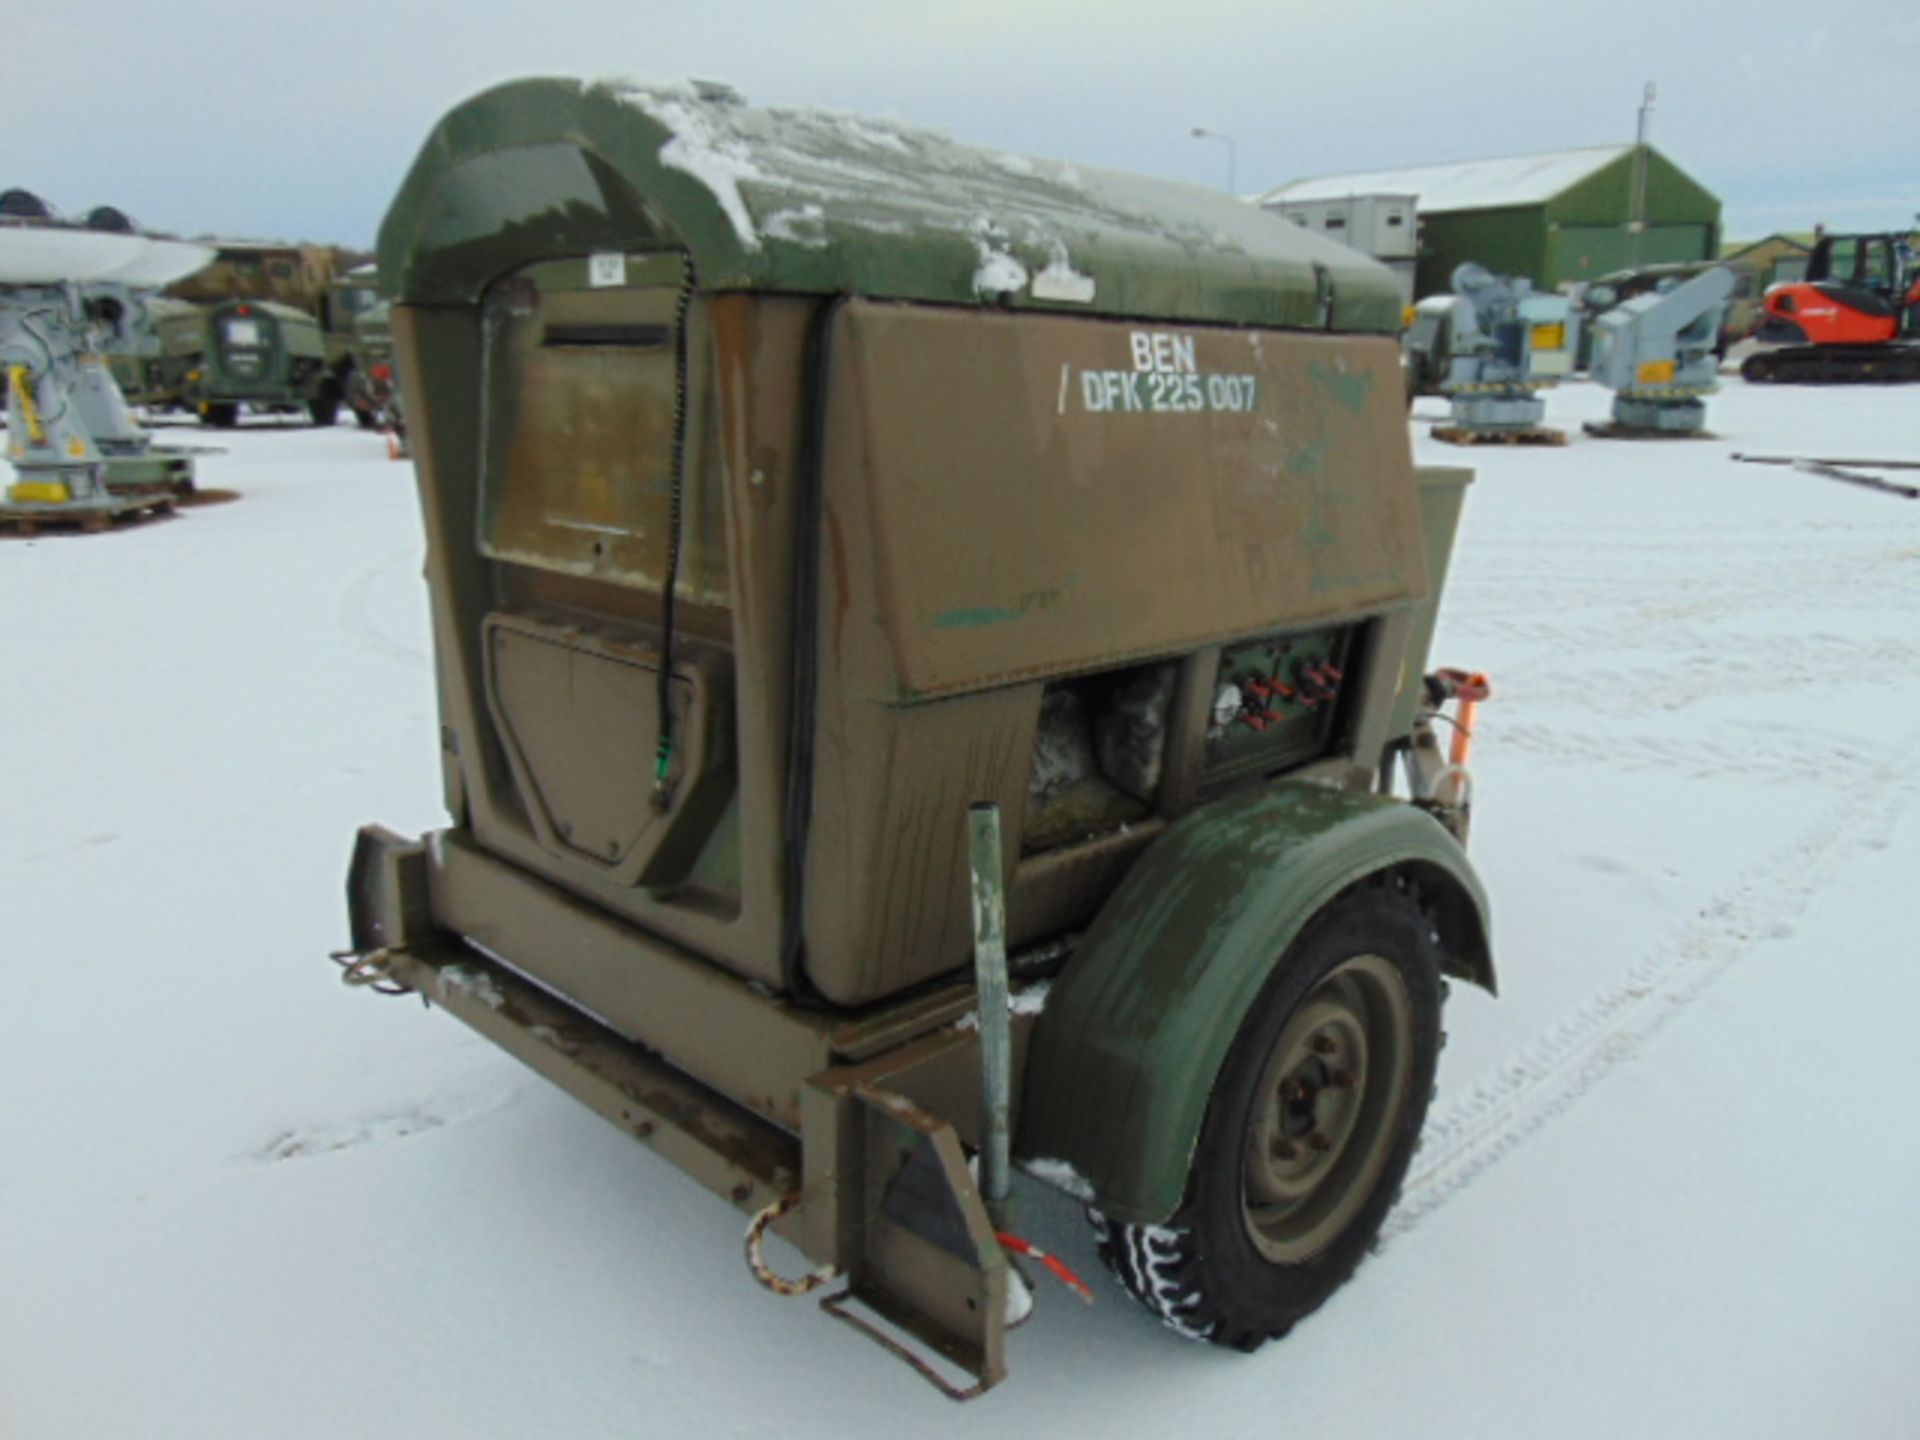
<point>1327,1109</point>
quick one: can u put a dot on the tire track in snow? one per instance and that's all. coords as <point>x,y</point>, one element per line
<point>378,1129</point>
<point>1735,665</point>
<point>1569,614</point>
<point>1791,756</point>
<point>356,613</point>
<point>1544,1081</point>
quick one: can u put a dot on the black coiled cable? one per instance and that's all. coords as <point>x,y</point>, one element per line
<point>663,750</point>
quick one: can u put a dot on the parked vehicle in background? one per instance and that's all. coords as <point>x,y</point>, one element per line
<point>269,357</point>
<point>1853,319</point>
<point>262,328</point>
<point>215,360</point>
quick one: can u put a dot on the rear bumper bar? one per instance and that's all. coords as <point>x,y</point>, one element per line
<point>870,1181</point>
<point>727,1148</point>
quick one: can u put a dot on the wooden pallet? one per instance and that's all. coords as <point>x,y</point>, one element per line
<point>1538,435</point>
<point>202,496</point>
<point>1607,430</point>
<point>24,524</point>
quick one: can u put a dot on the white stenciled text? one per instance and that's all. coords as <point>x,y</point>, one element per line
<point>1165,380</point>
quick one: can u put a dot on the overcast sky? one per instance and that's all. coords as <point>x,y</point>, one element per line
<point>298,121</point>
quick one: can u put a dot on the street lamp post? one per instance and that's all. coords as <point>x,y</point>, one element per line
<point>1200,132</point>
<point>1637,227</point>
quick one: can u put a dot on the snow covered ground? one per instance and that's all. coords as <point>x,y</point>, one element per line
<point>1667,1186</point>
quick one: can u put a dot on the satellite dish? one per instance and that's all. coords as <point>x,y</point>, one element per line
<point>36,256</point>
<point>112,218</point>
<point>161,262</point>
<point>24,205</point>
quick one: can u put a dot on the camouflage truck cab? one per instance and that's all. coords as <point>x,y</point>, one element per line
<point>292,275</point>
<point>794,485</point>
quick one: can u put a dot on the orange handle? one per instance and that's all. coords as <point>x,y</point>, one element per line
<point>1469,688</point>
<point>1463,733</point>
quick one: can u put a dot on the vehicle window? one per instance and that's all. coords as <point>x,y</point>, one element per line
<point>1876,263</point>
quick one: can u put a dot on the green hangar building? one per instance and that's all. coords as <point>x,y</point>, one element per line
<point>1563,217</point>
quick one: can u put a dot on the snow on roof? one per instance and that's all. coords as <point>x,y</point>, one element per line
<point>1469,185</point>
<point>813,202</point>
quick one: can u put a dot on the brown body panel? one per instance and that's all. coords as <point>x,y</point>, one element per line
<point>1010,532</point>
<point>975,506</point>
<point>740,648</point>
<point>980,474</point>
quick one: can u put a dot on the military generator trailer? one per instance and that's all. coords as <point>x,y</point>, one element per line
<point>803,492</point>
<point>68,294</point>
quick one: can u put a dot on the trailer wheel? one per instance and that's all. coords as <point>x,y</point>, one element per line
<point>1309,1133</point>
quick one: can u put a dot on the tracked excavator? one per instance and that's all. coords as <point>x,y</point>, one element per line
<point>1854,318</point>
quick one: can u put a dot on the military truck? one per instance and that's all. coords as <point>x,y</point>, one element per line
<point>215,359</point>
<point>807,498</point>
<point>263,334</point>
<point>295,275</point>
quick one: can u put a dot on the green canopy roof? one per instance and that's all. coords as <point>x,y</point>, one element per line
<point>812,202</point>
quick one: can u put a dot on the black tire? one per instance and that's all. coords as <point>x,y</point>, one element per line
<point>1757,369</point>
<point>324,408</point>
<point>221,414</point>
<point>1238,1273</point>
